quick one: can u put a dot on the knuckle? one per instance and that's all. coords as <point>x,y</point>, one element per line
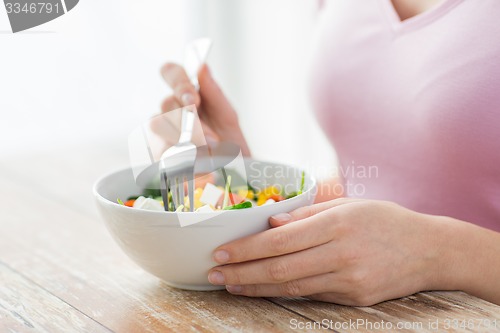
<point>277,271</point>
<point>291,288</point>
<point>184,87</point>
<point>358,280</point>
<point>342,200</point>
<point>303,212</point>
<point>279,242</point>
<point>168,104</point>
<point>348,258</point>
<point>232,277</point>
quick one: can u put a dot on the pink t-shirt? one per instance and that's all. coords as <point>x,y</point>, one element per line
<point>413,108</point>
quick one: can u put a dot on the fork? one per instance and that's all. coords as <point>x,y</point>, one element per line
<point>177,165</point>
<point>177,162</point>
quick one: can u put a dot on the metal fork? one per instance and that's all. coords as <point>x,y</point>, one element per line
<point>177,163</point>
<point>177,166</point>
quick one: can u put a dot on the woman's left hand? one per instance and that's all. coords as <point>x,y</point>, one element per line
<point>346,251</point>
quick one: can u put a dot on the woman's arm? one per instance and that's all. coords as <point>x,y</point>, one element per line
<point>470,259</point>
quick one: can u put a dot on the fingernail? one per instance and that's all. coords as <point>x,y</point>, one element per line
<point>221,256</point>
<point>234,289</point>
<point>187,99</point>
<point>283,217</point>
<point>216,277</point>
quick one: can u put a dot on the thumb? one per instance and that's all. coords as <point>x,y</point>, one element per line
<point>307,211</point>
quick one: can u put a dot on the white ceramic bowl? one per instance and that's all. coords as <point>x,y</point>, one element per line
<point>182,256</point>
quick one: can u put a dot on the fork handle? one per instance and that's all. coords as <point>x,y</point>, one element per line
<point>187,124</point>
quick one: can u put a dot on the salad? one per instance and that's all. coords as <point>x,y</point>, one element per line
<point>213,198</point>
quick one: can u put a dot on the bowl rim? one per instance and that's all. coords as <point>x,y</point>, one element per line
<point>100,198</point>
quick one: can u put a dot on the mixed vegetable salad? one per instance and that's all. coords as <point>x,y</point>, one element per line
<point>214,198</point>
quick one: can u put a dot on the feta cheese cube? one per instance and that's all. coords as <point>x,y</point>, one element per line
<point>148,204</point>
<point>211,195</point>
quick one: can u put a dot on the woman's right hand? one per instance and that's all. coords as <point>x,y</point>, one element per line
<point>219,120</point>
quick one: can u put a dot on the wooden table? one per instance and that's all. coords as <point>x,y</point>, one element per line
<point>60,271</point>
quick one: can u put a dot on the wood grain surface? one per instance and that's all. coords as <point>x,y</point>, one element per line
<point>60,270</point>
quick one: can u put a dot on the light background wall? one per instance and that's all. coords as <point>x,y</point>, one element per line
<point>93,74</point>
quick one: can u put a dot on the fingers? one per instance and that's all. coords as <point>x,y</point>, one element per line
<point>167,126</point>
<point>313,226</point>
<point>290,238</point>
<point>170,103</point>
<point>319,288</point>
<point>216,111</point>
<point>184,91</point>
<point>308,211</point>
<point>310,262</point>
<point>294,288</point>
<point>210,136</point>
<point>215,102</point>
<point>333,287</point>
<point>162,127</point>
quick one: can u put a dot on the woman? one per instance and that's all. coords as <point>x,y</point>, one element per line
<point>408,86</point>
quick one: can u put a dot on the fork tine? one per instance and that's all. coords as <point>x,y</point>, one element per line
<point>181,189</point>
<point>190,190</point>
<point>174,191</point>
<point>164,190</point>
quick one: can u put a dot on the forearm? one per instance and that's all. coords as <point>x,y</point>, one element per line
<point>469,260</point>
